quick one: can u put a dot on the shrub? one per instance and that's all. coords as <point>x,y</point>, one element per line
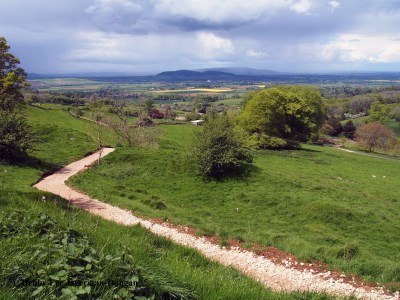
<point>327,129</point>
<point>156,114</point>
<point>192,116</point>
<point>264,141</point>
<point>349,130</point>
<point>219,149</point>
<point>15,136</point>
<point>395,114</point>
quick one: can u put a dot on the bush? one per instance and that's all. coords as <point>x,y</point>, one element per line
<point>264,141</point>
<point>327,129</point>
<point>219,149</point>
<point>349,130</point>
<point>395,114</point>
<point>192,116</point>
<point>156,114</point>
<point>15,136</point>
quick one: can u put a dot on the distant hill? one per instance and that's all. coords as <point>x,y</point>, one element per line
<point>32,76</point>
<point>195,75</point>
<point>243,71</point>
<point>230,74</point>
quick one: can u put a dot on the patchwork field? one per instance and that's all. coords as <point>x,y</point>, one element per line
<point>63,85</point>
<point>194,90</point>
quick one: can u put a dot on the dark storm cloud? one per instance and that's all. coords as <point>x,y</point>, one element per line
<point>84,35</point>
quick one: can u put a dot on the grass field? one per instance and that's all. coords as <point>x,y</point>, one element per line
<point>230,101</point>
<point>64,139</point>
<point>196,90</point>
<point>317,203</point>
<point>62,85</point>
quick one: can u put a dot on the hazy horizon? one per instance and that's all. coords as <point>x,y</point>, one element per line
<point>134,74</point>
<point>148,37</point>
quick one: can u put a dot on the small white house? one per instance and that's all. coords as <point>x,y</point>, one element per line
<point>197,122</point>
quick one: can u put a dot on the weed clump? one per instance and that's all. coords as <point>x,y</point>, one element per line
<point>155,202</point>
<point>60,263</point>
<point>331,213</point>
<point>348,252</point>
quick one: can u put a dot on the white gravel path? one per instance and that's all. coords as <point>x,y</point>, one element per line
<point>274,276</point>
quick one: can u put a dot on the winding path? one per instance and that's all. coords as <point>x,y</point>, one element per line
<point>275,276</point>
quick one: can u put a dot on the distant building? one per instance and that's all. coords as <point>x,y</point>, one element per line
<point>197,122</point>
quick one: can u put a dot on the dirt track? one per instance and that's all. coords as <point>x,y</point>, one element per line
<point>275,276</point>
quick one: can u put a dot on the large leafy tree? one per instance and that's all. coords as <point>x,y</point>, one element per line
<point>12,79</point>
<point>283,116</point>
<point>15,135</point>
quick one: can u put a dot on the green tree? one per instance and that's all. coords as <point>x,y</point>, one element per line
<point>336,125</point>
<point>378,113</point>
<point>220,149</point>
<point>246,98</point>
<point>15,134</point>
<point>349,130</point>
<point>282,117</point>
<point>395,114</point>
<point>148,105</point>
<point>12,79</point>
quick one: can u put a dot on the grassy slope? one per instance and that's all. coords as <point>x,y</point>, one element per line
<point>65,140</point>
<point>317,203</point>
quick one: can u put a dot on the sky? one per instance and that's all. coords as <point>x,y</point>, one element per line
<point>149,36</point>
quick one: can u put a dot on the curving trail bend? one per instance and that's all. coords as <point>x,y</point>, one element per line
<point>274,276</point>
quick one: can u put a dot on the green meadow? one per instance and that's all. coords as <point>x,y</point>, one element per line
<point>318,203</point>
<point>173,268</point>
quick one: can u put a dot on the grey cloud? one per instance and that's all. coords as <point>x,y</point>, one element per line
<point>56,36</point>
